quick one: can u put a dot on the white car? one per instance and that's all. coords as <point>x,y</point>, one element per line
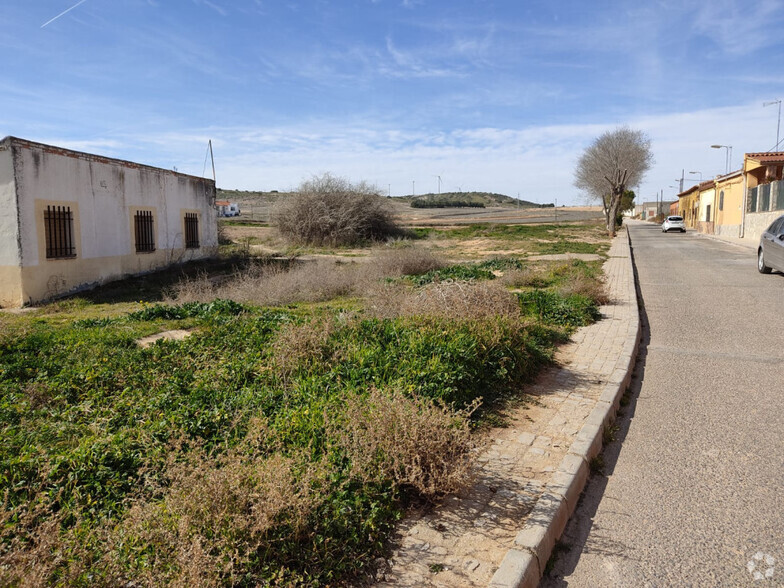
<point>673,223</point>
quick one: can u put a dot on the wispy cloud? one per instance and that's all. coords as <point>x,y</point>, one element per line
<point>219,9</point>
<point>740,28</point>
<point>536,161</point>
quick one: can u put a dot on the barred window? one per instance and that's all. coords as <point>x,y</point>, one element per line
<point>145,235</point>
<point>721,200</point>
<point>191,230</point>
<point>59,233</point>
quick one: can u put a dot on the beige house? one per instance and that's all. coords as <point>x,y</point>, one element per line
<point>706,206</point>
<point>688,206</point>
<point>729,204</point>
<point>764,191</point>
<point>71,220</point>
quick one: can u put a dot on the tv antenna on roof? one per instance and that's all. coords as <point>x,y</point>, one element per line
<point>212,158</point>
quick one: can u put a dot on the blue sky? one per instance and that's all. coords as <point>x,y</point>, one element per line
<point>489,95</point>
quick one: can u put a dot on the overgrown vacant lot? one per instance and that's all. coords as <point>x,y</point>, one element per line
<point>280,442</point>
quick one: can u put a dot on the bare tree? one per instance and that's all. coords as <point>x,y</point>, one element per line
<point>615,160</point>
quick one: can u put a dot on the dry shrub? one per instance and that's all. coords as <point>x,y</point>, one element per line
<point>582,285</point>
<point>448,299</point>
<point>328,210</point>
<point>528,277</point>
<point>31,546</point>
<point>215,515</point>
<point>406,261</point>
<point>414,442</point>
<point>299,345</point>
<point>205,525</point>
<point>272,285</point>
<point>269,284</point>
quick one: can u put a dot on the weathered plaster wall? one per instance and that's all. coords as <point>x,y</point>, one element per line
<point>103,195</point>
<point>10,274</point>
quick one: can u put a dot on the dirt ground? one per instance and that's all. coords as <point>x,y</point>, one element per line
<point>265,239</point>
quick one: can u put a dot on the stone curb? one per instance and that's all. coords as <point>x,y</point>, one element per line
<point>523,565</point>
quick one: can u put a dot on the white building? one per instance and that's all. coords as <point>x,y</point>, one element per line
<point>71,220</point>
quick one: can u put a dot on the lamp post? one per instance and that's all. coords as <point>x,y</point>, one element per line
<point>778,124</point>
<point>697,172</point>
<point>728,156</point>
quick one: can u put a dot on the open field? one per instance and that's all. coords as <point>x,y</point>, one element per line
<point>448,231</point>
<point>308,399</point>
<point>257,207</point>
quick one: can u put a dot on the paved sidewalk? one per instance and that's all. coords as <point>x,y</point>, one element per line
<point>740,242</point>
<point>484,534</point>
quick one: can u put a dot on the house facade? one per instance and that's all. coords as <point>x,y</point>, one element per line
<point>764,191</point>
<point>739,204</point>
<point>688,206</point>
<point>72,220</point>
<point>729,204</point>
<point>706,206</point>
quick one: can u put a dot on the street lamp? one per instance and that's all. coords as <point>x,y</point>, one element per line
<point>778,125</point>
<point>728,157</point>
<point>697,172</point>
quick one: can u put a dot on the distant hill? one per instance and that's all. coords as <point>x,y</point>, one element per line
<point>470,198</point>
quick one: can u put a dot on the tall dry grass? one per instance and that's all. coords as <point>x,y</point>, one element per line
<point>414,442</point>
<point>269,284</point>
<point>458,300</point>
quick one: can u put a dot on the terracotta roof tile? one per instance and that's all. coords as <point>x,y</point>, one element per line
<point>767,157</point>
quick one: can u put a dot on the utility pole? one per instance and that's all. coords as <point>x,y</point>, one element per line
<point>413,187</point>
<point>683,171</point>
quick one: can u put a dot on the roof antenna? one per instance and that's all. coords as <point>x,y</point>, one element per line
<point>212,158</point>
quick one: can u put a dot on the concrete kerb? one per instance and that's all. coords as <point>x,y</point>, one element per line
<point>523,565</point>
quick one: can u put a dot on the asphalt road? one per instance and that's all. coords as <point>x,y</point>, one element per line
<point>692,492</point>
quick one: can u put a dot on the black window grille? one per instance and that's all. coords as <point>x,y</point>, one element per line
<point>191,230</point>
<point>752,201</point>
<point>721,200</point>
<point>59,233</point>
<point>145,235</point>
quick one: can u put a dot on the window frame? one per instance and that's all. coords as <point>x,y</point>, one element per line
<point>59,232</point>
<point>144,230</point>
<point>191,232</point>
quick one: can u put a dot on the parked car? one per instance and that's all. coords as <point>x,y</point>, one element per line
<point>673,223</point>
<point>770,254</point>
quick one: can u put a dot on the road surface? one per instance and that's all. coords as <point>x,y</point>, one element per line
<point>692,492</point>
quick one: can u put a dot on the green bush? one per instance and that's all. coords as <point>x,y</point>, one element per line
<point>121,449</point>
<point>556,309</point>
